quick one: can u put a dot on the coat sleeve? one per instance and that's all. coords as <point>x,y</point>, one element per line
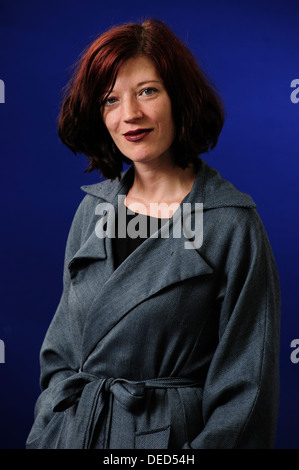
<point>59,358</point>
<point>241,392</point>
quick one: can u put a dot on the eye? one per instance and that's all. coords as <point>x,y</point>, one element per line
<point>109,101</point>
<point>149,91</point>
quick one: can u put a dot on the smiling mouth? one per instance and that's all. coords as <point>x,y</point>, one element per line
<point>137,135</point>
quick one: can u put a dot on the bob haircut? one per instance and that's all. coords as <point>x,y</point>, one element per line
<point>197,109</point>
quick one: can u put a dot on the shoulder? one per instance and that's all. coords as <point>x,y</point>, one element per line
<point>217,192</point>
<point>97,193</point>
<point>107,190</point>
<point>101,190</point>
<point>230,216</point>
<point>225,207</point>
<point>233,228</point>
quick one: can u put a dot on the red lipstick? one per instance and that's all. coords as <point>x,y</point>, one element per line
<point>137,134</point>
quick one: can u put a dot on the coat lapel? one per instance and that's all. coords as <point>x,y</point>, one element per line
<point>156,264</point>
<point>93,249</point>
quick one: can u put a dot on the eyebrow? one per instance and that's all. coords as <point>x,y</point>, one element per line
<point>148,81</point>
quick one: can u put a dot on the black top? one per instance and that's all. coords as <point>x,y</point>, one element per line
<point>136,232</point>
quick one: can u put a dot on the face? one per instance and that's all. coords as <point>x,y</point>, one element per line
<point>137,112</point>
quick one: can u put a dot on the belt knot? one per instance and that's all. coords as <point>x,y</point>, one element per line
<point>128,393</point>
<point>108,383</point>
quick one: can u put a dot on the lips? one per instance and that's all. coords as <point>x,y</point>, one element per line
<point>137,134</point>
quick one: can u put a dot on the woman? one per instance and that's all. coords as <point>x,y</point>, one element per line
<point>169,338</point>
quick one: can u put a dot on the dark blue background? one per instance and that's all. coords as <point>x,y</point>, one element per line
<point>251,51</point>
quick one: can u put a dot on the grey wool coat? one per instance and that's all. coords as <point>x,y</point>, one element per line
<point>175,348</point>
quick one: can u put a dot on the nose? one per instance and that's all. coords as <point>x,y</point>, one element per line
<point>131,109</point>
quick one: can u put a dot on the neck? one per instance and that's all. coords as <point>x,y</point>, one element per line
<point>160,182</point>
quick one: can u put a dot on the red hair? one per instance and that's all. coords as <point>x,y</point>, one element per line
<point>197,108</point>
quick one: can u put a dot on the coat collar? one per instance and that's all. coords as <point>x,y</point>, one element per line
<point>209,188</point>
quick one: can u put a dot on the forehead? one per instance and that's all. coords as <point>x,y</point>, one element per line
<point>136,70</point>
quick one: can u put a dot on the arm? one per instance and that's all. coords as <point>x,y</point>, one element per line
<point>241,393</point>
<point>59,358</point>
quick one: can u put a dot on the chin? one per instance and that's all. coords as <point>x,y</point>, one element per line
<point>141,159</point>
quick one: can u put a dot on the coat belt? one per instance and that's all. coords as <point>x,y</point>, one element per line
<point>96,394</point>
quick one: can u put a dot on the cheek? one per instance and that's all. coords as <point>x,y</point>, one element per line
<point>163,115</point>
<point>110,122</point>
<point>168,124</point>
